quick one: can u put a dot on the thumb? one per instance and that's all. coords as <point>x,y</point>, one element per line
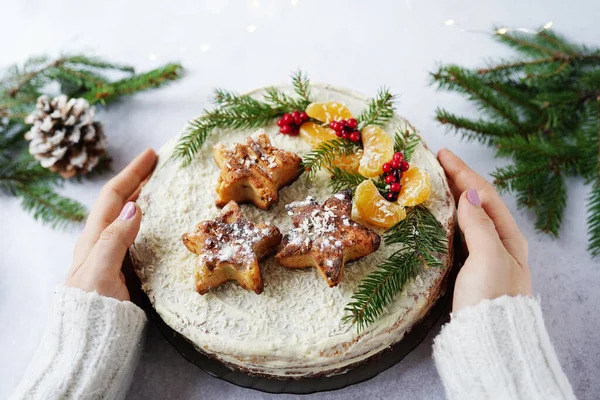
<point>109,251</point>
<point>477,227</point>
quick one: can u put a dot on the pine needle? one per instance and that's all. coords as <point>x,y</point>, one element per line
<point>77,76</point>
<point>245,114</point>
<point>324,155</point>
<point>593,220</point>
<point>423,242</point>
<point>302,88</point>
<point>540,110</point>
<point>49,207</point>
<point>405,142</point>
<point>343,179</point>
<point>380,110</point>
<point>234,111</point>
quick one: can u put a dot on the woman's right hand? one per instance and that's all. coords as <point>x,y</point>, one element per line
<point>497,261</point>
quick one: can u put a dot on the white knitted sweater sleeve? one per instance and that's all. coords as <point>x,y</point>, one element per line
<point>89,349</point>
<point>500,349</point>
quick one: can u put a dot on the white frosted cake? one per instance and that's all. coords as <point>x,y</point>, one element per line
<point>294,328</point>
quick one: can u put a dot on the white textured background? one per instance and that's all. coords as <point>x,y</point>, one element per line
<point>241,45</point>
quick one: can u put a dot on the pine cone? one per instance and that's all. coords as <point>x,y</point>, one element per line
<point>64,136</point>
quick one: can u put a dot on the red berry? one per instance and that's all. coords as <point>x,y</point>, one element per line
<point>345,135</point>
<point>398,156</point>
<point>355,136</point>
<point>390,196</point>
<point>297,118</point>
<point>395,187</point>
<point>303,116</point>
<point>336,126</point>
<point>286,129</point>
<point>404,166</point>
<point>351,123</point>
<point>396,164</point>
<point>295,131</point>
<point>339,133</point>
<point>280,123</point>
<point>390,179</point>
<point>387,167</point>
<point>287,119</point>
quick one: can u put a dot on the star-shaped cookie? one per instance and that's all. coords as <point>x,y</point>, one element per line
<point>229,248</point>
<point>324,236</point>
<point>254,172</point>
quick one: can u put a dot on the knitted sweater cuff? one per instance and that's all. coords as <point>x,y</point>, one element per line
<point>89,349</point>
<point>499,349</point>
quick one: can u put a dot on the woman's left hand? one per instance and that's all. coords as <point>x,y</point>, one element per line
<point>109,231</point>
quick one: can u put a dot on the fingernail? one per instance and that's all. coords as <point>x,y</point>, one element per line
<point>473,197</point>
<point>128,211</point>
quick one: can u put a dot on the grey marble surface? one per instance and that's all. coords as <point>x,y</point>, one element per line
<point>246,44</point>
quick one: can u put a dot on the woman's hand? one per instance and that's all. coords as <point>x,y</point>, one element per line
<point>109,231</point>
<point>497,262</point>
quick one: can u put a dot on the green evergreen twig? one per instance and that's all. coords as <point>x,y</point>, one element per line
<point>324,155</point>
<point>77,76</point>
<point>543,112</point>
<point>302,88</point>
<point>423,242</point>
<point>235,111</point>
<point>406,142</point>
<point>380,110</point>
<point>343,179</point>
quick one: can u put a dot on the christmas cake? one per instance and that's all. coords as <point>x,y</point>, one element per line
<point>368,183</point>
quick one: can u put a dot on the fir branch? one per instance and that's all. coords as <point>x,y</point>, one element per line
<point>527,44</point>
<point>342,179</point>
<point>380,110</point>
<point>96,63</point>
<point>519,94</point>
<point>555,41</point>
<point>457,79</point>
<point>236,112</point>
<point>517,177</point>
<point>79,79</point>
<point>423,243</point>
<point>136,83</point>
<point>405,142</point>
<point>23,171</point>
<point>550,95</point>
<point>278,99</point>
<point>49,207</point>
<point>28,77</point>
<point>301,86</point>
<point>550,207</point>
<point>480,130</point>
<point>324,155</point>
<point>593,220</point>
<point>25,178</point>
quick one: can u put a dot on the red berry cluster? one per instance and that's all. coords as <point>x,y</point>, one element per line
<point>393,173</point>
<point>346,129</point>
<point>289,124</point>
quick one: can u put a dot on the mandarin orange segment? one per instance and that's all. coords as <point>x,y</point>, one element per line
<point>372,208</point>
<point>329,111</point>
<point>416,187</point>
<point>315,134</point>
<point>378,149</point>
